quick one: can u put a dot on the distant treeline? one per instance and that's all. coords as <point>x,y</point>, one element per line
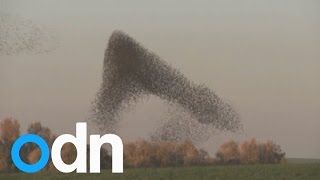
<point>250,152</point>
<point>139,153</point>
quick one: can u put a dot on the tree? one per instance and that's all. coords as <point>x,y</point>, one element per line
<point>68,153</point>
<point>270,152</point>
<point>167,153</point>
<point>189,152</point>
<point>229,153</point>
<point>249,152</point>
<point>105,158</point>
<point>10,131</point>
<point>203,157</point>
<point>30,152</point>
<point>139,154</point>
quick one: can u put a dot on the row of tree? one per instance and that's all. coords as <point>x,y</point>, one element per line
<point>143,153</point>
<point>30,152</point>
<point>249,152</point>
<point>139,153</point>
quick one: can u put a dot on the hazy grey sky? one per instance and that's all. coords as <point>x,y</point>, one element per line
<point>262,56</point>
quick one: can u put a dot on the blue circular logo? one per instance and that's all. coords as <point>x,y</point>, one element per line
<point>15,153</point>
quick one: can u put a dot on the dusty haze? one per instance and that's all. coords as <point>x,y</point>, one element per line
<point>261,56</point>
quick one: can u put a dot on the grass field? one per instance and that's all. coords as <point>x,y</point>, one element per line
<point>291,171</point>
<point>302,160</point>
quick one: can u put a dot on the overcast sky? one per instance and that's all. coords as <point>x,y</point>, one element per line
<point>262,56</point>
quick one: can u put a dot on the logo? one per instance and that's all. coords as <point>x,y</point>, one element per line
<point>80,142</point>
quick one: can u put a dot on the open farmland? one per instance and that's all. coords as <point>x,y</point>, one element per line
<point>292,171</point>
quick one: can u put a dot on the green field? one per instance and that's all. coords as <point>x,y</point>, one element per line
<point>302,160</point>
<point>307,171</point>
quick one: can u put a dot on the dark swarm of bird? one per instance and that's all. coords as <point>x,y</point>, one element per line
<point>131,72</point>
